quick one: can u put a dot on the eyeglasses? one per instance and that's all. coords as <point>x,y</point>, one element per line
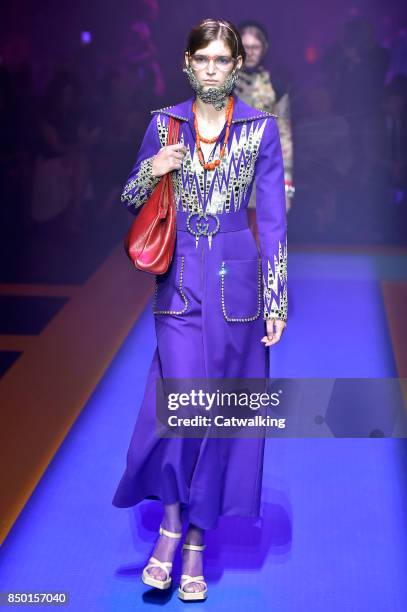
<point>249,48</point>
<point>222,62</point>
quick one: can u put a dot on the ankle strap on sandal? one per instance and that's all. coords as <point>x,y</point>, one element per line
<point>194,546</point>
<point>170,534</point>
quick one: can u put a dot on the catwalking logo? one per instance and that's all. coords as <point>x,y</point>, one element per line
<point>228,408</point>
<point>217,401</point>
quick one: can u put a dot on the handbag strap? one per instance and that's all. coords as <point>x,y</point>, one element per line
<point>173,131</point>
<point>172,138</point>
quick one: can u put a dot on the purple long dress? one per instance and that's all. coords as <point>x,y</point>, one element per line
<point>210,308</point>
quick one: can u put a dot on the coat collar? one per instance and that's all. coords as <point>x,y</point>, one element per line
<point>242,112</point>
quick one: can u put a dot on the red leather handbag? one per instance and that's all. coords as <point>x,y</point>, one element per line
<point>150,241</point>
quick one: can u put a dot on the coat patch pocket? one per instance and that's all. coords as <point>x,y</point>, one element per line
<point>169,296</point>
<point>241,289</point>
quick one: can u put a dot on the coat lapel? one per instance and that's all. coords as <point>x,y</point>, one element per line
<point>242,112</point>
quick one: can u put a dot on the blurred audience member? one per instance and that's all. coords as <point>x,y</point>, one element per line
<point>61,169</point>
<point>122,121</point>
<point>386,173</point>
<point>257,88</point>
<point>398,55</point>
<point>323,159</point>
<point>355,71</point>
<point>139,56</point>
<point>9,158</point>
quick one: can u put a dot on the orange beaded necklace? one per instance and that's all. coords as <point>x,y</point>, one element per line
<point>199,138</point>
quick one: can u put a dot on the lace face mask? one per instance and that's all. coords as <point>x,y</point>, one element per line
<point>217,96</point>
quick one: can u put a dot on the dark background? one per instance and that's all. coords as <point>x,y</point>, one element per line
<point>362,203</point>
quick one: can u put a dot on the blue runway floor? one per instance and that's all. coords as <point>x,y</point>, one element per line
<point>333,530</point>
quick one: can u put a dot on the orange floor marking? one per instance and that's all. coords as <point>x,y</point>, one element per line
<point>46,388</point>
<point>38,290</point>
<point>16,343</point>
<point>395,301</point>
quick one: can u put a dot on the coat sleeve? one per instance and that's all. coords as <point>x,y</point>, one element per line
<point>282,109</point>
<point>272,222</point>
<point>140,183</point>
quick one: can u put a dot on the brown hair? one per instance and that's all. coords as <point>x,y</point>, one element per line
<point>256,29</point>
<point>213,29</point>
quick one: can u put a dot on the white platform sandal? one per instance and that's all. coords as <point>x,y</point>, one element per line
<point>166,566</point>
<point>186,579</point>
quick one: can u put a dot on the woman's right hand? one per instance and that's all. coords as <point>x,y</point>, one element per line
<point>168,158</point>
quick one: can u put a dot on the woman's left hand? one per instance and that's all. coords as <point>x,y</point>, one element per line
<point>275,328</point>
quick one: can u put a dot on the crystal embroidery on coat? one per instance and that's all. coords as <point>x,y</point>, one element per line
<point>275,287</point>
<point>224,189</point>
<point>138,189</point>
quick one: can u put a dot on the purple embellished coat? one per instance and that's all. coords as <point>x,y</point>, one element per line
<point>210,308</point>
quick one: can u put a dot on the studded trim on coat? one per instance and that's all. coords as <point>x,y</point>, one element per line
<point>164,111</point>
<point>138,189</point>
<point>275,286</point>
<point>259,296</point>
<point>181,291</point>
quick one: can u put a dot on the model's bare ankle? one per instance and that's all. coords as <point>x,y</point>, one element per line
<point>172,518</point>
<point>195,535</point>
<point>173,526</point>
